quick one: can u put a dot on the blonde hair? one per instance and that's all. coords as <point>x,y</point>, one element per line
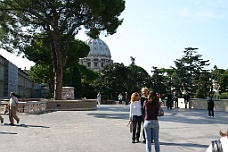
<point>134,96</point>
<point>144,88</point>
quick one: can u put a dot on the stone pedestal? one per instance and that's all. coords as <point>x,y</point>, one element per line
<point>67,93</point>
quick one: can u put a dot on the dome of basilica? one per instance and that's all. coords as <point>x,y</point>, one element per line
<point>99,55</point>
<point>98,48</point>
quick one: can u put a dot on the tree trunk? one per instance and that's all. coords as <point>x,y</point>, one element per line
<point>58,81</point>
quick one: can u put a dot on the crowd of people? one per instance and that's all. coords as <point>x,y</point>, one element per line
<point>144,110</point>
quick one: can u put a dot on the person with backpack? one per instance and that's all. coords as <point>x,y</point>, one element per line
<point>220,145</point>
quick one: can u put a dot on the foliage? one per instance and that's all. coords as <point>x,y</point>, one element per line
<point>224,82</point>
<point>203,86</point>
<point>117,78</point>
<point>224,95</point>
<point>160,80</point>
<point>42,71</point>
<point>216,76</point>
<point>59,21</point>
<point>188,69</point>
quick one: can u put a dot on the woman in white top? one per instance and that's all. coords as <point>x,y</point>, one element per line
<point>135,116</point>
<point>220,145</point>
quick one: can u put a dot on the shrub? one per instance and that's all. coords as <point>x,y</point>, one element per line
<point>224,95</point>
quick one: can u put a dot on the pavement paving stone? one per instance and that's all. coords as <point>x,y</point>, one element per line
<point>105,130</point>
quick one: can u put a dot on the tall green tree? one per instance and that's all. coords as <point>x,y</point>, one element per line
<point>224,82</point>
<point>159,80</point>
<point>38,53</point>
<point>216,78</point>
<point>21,20</point>
<point>204,85</point>
<point>188,70</point>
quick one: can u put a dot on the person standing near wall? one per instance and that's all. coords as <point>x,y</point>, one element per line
<point>186,99</point>
<point>99,98</point>
<point>210,105</point>
<point>169,101</point>
<point>175,98</point>
<point>13,109</point>
<point>120,98</point>
<point>126,98</point>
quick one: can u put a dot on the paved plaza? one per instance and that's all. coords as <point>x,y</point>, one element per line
<point>105,130</point>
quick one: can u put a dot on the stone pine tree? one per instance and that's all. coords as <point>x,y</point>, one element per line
<point>21,20</point>
<point>188,70</point>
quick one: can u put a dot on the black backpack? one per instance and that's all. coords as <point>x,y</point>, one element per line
<point>217,146</point>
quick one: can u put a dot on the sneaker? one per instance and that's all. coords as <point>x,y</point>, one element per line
<point>2,120</point>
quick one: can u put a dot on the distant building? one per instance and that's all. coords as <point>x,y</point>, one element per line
<point>15,80</point>
<point>99,55</point>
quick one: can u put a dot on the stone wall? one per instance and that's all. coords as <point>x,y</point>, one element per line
<point>220,105</point>
<point>85,104</point>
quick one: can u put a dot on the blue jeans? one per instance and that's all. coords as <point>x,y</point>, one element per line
<point>151,128</point>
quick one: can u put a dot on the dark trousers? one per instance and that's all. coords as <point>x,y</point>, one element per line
<point>137,120</point>
<point>211,112</point>
<point>210,109</point>
<point>169,103</point>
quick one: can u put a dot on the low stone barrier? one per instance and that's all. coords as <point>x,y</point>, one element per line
<point>220,105</point>
<point>85,104</point>
<point>43,105</point>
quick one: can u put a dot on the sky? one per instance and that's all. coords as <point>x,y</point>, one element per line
<point>155,33</point>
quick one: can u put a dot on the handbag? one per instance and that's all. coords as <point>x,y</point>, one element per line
<point>130,124</point>
<point>161,111</point>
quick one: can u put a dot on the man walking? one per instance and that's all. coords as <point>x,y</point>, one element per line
<point>13,108</point>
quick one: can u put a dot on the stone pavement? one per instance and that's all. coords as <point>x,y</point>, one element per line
<point>105,130</point>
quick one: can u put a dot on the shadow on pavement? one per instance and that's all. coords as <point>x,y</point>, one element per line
<point>27,126</point>
<point>110,116</point>
<point>193,116</point>
<point>8,133</point>
<point>184,144</point>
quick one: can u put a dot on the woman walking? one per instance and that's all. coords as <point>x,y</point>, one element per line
<point>135,116</point>
<point>151,125</point>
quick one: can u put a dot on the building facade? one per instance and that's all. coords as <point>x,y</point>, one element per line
<point>99,55</point>
<point>15,80</point>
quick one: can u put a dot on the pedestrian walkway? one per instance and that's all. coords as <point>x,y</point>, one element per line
<point>105,130</point>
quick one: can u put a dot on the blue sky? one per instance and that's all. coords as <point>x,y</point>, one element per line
<point>156,32</point>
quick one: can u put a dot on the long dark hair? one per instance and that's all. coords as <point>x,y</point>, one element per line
<point>152,96</point>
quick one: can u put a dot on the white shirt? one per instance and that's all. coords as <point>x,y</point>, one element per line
<point>13,101</point>
<point>120,97</point>
<point>224,141</point>
<point>135,108</point>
